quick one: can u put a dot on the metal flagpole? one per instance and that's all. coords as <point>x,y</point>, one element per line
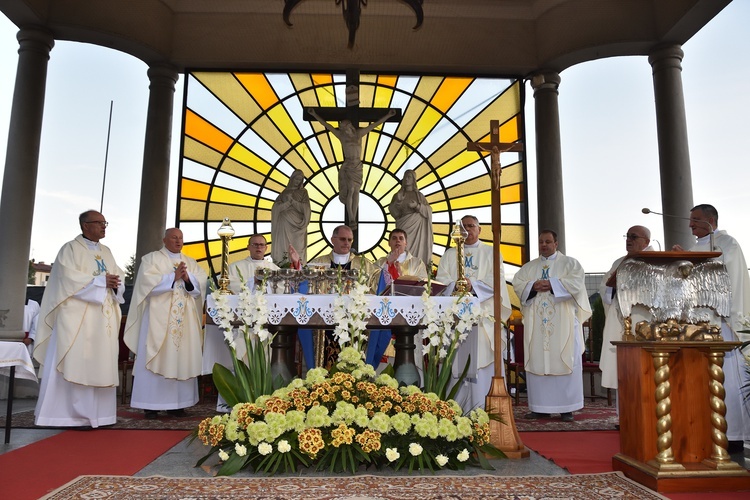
<point>106,155</point>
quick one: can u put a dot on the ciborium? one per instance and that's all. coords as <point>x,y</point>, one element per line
<point>458,235</point>
<point>225,232</point>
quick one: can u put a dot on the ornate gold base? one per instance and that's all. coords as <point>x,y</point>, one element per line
<point>693,477</point>
<point>504,435</point>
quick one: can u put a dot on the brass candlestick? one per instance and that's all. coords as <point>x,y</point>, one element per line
<point>225,232</point>
<point>458,235</point>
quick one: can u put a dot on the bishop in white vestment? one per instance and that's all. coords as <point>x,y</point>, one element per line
<point>77,334</point>
<point>555,305</point>
<point>481,343</point>
<point>165,328</point>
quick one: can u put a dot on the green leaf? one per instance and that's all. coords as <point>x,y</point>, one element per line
<point>233,465</point>
<point>227,385</point>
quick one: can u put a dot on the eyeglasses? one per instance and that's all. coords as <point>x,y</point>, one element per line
<point>102,223</point>
<point>631,236</point>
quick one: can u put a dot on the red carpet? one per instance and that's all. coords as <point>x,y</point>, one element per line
<point>587,452</point>
<point>34,470</point>
<point>591,452</point>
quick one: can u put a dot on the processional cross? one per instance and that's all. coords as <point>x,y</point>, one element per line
<point>350,135</point>
<point>503,436</point>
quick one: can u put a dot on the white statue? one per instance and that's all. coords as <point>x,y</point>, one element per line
<point>414,215</point>
<point>290,216</point>
<point>350,172</point>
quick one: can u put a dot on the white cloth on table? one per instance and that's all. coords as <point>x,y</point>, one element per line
<point>16,354</point>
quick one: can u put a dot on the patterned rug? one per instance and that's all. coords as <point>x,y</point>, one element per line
<point>594,416</point>
<point>584,486</point>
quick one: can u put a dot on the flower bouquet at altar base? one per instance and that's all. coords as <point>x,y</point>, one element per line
<point>349,417</point>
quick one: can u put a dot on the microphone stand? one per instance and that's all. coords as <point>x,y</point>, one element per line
<point>712,247</point>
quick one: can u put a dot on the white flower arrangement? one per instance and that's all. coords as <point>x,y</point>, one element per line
<point>252,376</point>
<point>350,315</point>
<point>443,333</point>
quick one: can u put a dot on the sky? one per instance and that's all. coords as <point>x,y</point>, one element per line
<point>607,120</point>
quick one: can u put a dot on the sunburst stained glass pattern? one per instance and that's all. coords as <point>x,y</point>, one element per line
<point>244,134</point>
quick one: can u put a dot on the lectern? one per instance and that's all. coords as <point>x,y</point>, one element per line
<point>670,377</point>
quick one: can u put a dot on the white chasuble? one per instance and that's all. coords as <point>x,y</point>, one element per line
<point>736,373</point>
<point>83,313</point>
<point>478,269</point>
<point>552,321</point>
<point>244,270</point>
<point>172,315</point>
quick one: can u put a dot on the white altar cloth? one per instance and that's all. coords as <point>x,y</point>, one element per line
<point>383,310</point>
<point>16,354</point>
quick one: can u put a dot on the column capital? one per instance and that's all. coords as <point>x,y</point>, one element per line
<point>666,56</point>
<point>545,80</point>
<point>35,39</point>
<point>163,75</point>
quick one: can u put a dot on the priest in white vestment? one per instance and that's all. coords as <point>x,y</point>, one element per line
<point>399,263</point>
<point>555,305</point>
<point>704,219</point>
<point>77,334</point>
<point>480,345</point>
<point>164,329</point>
<point>341,257</point>
<point>637,240</point>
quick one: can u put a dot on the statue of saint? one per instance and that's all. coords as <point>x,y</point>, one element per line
<point>414,215</point>
<point>290,216</point>
<point>350,171</point>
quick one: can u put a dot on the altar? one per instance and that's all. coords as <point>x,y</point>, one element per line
<point>15,361</point>
<point>288,312</point>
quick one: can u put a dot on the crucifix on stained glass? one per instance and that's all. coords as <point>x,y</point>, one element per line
<point>350,135</point>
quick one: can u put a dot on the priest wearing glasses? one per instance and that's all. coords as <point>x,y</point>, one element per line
<point>77,335</point>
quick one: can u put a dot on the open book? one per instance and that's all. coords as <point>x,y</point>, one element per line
<point>411,285</point>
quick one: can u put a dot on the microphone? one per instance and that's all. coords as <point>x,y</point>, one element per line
<point>710,227</point>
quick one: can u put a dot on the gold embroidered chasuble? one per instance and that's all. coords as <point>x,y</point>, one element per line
<point>86,325</point>
<point>550,329</point>
<point>174,315</point>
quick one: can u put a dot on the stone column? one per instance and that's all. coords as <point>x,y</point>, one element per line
<point>155,178</point>
<point>674,154</point>
<point>551,207</point>
<point>19,181</point>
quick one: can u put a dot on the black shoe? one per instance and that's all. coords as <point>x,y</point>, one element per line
<point>566,417</point>
<point>177,413</point>
<point>150,414</point>
<point>532,415</point>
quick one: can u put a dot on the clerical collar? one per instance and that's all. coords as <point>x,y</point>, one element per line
<point>551,257</point>
<point>258,260</point>
<point>91,244</point>
<point>172,254</point>
<point>704,240</point>
<point>338,258</point>
<point>402,257</point>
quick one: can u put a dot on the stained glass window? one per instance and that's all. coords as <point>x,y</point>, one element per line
<point>244,134</point>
